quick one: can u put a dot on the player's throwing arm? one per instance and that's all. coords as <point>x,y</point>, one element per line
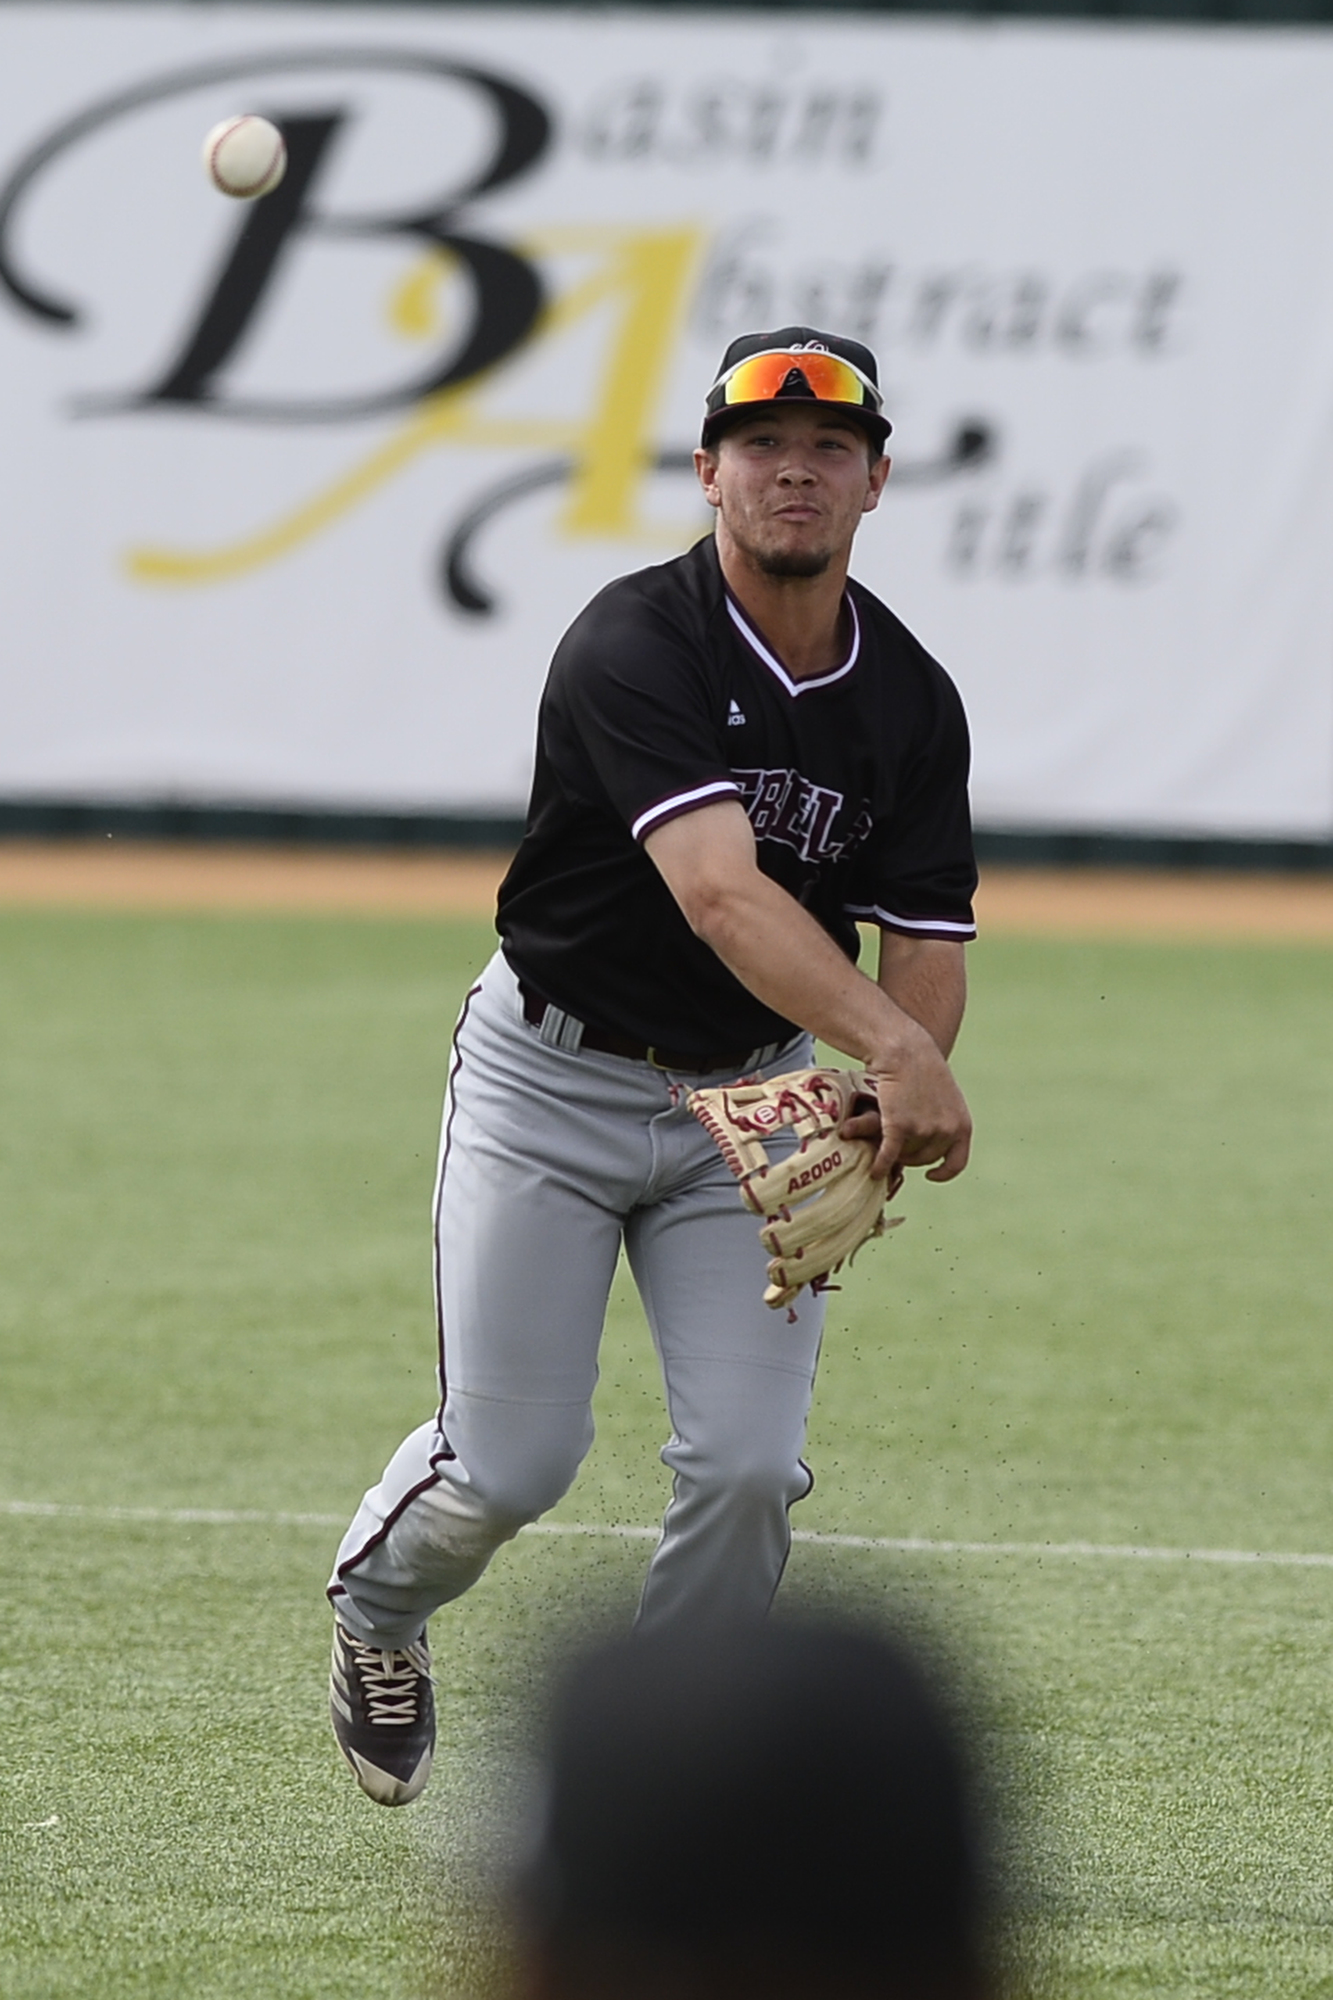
<point>856,1132</point>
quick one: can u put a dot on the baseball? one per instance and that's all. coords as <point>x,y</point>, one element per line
<point>245,157</point>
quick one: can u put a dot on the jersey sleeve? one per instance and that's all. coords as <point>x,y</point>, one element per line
<point>916,873</point>
<point>631,718</point>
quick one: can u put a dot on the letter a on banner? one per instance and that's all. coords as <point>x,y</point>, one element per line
<point>647,273</point>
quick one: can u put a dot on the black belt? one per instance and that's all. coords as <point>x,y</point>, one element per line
<point>535,1007</point>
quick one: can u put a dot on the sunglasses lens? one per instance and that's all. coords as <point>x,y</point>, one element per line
<point>830,380</point>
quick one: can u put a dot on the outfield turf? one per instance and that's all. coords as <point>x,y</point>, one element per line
<point>214,1294</point>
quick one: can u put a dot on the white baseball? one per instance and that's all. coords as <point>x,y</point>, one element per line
<point>245,157</point>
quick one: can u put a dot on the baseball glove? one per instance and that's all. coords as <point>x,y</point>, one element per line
<point>819,1203</point>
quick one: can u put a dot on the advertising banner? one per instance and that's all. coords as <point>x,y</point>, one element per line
<point>299,494</point>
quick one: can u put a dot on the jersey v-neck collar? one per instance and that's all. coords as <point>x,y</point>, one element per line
<point>760,647</point>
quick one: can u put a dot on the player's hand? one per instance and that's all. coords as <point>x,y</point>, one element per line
<point>922,1119</point>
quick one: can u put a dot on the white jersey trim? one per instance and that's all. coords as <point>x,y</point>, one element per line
<point>681,801</point>
<point>774,664</point>
<point>947,926</point>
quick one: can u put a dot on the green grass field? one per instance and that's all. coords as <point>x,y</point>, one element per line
<point>218,1141</point>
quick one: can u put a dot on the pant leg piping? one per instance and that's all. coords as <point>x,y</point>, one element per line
<point>393,1517</point>
<point>438,1202</point>
<point>810,1487</point>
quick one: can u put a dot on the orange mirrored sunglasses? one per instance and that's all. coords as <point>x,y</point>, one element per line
<point>759,378</point>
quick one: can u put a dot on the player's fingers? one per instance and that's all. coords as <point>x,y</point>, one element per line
<point>900,1146</point>
<point>865,1125</point>
<point>954,1160</point>
<point>944,1154</point>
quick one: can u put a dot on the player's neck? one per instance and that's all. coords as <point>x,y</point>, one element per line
<point>800,616</point>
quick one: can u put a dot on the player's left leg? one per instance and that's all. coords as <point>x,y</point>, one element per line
<point>738,1379</point>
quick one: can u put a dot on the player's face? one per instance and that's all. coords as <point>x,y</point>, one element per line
<point>790,486</point>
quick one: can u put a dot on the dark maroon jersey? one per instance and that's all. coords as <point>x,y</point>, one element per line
<point>664,697</point>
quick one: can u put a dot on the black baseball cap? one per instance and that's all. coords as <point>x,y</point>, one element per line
<point>793,1798</point>
<point>796,363</point>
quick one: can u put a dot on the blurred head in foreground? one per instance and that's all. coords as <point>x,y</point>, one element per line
<point>776,1811</point>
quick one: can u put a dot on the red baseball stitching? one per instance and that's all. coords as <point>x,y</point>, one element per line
<point>249,187</point>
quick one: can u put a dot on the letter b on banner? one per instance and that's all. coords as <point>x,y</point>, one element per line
<point>507,293</point>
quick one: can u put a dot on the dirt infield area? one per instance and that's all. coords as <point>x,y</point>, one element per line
<point>133,875</point>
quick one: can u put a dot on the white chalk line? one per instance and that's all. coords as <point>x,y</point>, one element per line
<point>903,1545</point>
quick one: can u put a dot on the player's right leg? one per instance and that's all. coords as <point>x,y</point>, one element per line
<point>534,1177</point>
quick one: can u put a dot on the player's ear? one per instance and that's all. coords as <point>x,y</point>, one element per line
<point>879,472</point>
<point>705,466</point>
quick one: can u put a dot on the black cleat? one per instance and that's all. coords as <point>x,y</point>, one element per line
<point>383,1712</point>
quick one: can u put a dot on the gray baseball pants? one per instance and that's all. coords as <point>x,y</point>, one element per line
<point>551,1156</point>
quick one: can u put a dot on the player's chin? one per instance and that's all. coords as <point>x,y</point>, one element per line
<point>792,557</point>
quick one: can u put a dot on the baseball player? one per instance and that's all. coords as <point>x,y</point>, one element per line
<point>740,754</point>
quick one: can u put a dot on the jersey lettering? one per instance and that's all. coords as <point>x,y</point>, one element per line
<point>784,806</point>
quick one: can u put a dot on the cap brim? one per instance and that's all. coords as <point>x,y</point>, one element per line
<point>877,427</point>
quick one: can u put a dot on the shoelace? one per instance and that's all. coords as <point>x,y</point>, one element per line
<point>390,1681</point>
